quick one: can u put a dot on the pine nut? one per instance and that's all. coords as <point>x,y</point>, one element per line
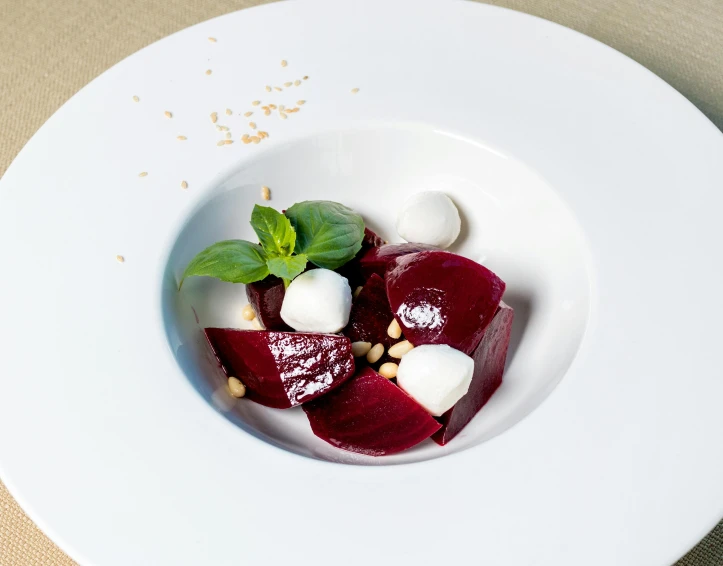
<point>400,348</point>
<point>375,353</point>
<point>265,193</point>
<point>357,291</point>
<point>394,330</point>
<point>236,388</point>
<point>388,370</point>
<point>359,349</point>
<point>248,313</point>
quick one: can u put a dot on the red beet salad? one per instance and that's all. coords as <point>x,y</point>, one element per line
<point>383,345</point>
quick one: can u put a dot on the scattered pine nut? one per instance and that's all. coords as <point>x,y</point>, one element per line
<point>236,388</point>
<point>136,99</point>
<point>228,112</point>
<point>400,348</point>
<point>388,370</point>
<point>359,349</point>
<point>283,63</point>
<point>300,102</point>
<point>228,135</point>
<point>208,71</point>
<point>268,88</point>
<point>184,185</point>
<point>167,114</point>
<point>120,258</point>
<point>356,292</point>
<point>247,114</point>
<point>248,312</point>
<point>228,142</point>
<point>255,139</point>
<point>214,117</point>
<point>354,90</point>
<point>252,125</point>
<point>255,103</point>
<point>394,330</point>
<point>257,324</point>
<point>278,88</point>
<point>221,142</point>
<point>297,82</point>
<point>143,173</point>
<point>375,353</point>
<point>181,138</point>
<point>212,39</point>
<point>265,193</point>
<point>288,84</point>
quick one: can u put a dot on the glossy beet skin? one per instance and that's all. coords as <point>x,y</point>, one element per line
<point>371,314</point>
<point>370,415</point>
<point>489,364</point>
<point>283,369</point>
<point>266,297</point>
<point>443,298</point>
<point>378,260</point>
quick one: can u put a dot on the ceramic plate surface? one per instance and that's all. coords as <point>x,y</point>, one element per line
<point>588,184</point>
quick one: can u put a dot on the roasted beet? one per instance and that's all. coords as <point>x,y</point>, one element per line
<point>283,369</point>
<point>266,297</point>
<point>377,260</point>
<point>443,298</point>
<point>352,269</point>
<point>370,415</point>
<point>371,240</point>
<point>489,364</point>
<point>371,314</point>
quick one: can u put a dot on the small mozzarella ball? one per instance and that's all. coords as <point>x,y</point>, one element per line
<point>317,301</point>
<point>435,376</point>
<point>429,217</point>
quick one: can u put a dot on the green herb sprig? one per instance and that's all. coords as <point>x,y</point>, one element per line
<point>327,234</point>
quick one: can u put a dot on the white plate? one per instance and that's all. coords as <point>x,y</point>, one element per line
<point>591,186</point>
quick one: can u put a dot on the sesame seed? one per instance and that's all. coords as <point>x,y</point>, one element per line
<point>255,139</point>
<point>281,107</point>
<point>245,137</point>
<point>181,138</point>
<point>288,84</point>
<point>228,112</point>
<point>300,102</point>
<point>354,90</point>
<point>228,135</point>
<point>220,142</point>
<point>267,112</point>
<point>167,114</point>
<point>272,106</point>
<point>214,117</point>
<point>263,135</point>
<point>297,82</point>
<point>284,63</point>
<point>209,71</point>
<point>184,185</point>
<point>228,142</point>
<point>136,99</point>
<point>265,193</point>
<point>212,39</point>
<point>255,103</point>
<point>282,115</point>
<point>143,174</point>
<point>246,140</point>
<point>278,88</point>
<point>305,77</point>
<point>247,114</point>
<point>268,88</point>
<point>252,125</point>
<point>120,258</point>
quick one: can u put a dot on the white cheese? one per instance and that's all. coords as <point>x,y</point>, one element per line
<point>429,217</point>
<point>317,301</point>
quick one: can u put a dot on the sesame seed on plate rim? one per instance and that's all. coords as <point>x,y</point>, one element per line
<point>214,117</point>
<point>136,99</point>
<point>284,63</point>
<point>184,185</point>
<point>247,114</point>
<point>181,138</point>
<point>143,173</point>
<point>255,103</point>
<point>354,90</point>
<point>120,259</point>
<point>212,39</point>
<point>288,84</point>
<point>209,71</point>
<point>252,125</point>
<point>168,114</point>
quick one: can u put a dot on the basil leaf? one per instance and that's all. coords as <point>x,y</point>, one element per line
<point>235,261</point>
<point>274,230</point>
<point>329,233</point>
<point>287,267</point>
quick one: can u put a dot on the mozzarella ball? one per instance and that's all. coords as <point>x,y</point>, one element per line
<point>429,217</point>
<point>435,376</point>
<point>317,301</point>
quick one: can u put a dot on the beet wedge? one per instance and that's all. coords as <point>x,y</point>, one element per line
<point>370,415</point>
<point>379,259</point>
<point>489,364</point>
<point>265,297</point>
<point>442,298</point>
<point>371,314</point>
<point>283,369</point>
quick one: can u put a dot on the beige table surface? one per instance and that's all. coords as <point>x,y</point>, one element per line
<point>49,49</point>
